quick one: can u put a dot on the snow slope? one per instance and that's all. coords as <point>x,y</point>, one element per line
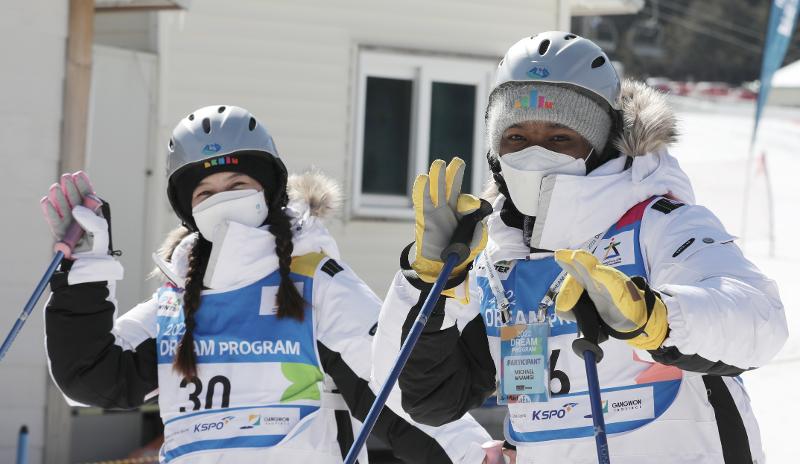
<point>713,149</point>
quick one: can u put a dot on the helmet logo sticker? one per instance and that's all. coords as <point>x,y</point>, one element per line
<point>212,148</point>
<point>534,100</point>
<point>221,161</point>
<point>538,72</point>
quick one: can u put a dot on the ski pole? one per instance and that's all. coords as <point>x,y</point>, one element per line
<point>63,249</point>
<point>588,348</point>
<point>455,253</point>
<point>22,445</point>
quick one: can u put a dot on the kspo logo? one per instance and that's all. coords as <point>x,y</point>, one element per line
<point>547,414</point>
<point>217,425</point>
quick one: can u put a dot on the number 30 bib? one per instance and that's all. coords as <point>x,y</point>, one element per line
<point>258,376</point>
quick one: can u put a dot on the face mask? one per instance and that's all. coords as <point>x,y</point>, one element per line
<point>524,170</point>
<point>247,207</point>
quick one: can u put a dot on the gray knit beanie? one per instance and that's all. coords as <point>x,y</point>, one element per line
<point>517,102</point>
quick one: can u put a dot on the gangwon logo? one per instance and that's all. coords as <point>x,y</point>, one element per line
<point>253,420</point>
<point>534,100</point>
<point>547,414</point>
<point>605,410</point>
<point>221,161</point>
<point>538,72</point>
<point>212,148</point>
<point>214,425</point>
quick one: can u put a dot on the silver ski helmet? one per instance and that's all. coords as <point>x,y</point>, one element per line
<point>558,77</point>
<point>557,57</point>
<point>221,138</point>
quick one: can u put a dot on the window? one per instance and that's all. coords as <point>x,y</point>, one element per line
<point>411,110</point>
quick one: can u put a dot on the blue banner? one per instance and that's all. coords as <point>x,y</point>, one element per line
<point>782,19</point>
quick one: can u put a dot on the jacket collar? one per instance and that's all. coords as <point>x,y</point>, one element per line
<point>575,208</point>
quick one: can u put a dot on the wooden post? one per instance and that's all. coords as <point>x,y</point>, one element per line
<point>74,130</point>
<point>77,85</point>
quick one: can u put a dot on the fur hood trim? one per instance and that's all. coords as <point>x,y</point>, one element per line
<point>311,193</point>
<point>315,193</point>
<point>648,122</point>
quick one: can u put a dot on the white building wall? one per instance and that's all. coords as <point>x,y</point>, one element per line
<point>30,117</point>
<point>292,63</point>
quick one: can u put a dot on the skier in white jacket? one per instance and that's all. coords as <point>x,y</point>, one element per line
<point>586,201</point>
<point>257,345</point>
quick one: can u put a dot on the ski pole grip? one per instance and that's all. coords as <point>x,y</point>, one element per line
<point>462,236</point>
<point>75,231</point>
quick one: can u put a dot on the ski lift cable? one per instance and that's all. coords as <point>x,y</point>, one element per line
<point>731,27</point>
<point>699,28</point>
<point>712,31</point>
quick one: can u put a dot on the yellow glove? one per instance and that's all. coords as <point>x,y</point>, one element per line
<point>439,205</point>
<point>627,305</point>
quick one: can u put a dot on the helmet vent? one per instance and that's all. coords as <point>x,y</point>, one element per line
<point>544,46</point>
<point>191,117</point>
<point>570,36</point>
<point>599,61</point>
<point>252,124</point>
<point>221,109</point>
<point>171,143</point>
<point>206,125</point>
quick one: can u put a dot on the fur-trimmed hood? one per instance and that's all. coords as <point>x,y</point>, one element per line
<point>648,122</point>
<point>313,197</point>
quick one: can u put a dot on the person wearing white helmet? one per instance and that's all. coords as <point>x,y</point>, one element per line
<point>591,213</point>
<point>258,342</point>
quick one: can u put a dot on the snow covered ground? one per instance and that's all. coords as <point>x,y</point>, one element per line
<point>713,151</point>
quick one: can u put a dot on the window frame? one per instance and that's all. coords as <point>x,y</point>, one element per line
<point>422,69</point>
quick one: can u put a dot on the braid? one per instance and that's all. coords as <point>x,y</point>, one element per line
<point>290,301</point>
<point>186,359</point>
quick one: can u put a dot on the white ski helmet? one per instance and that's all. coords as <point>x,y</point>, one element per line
<point>221,138</point>
<point>557,57</point>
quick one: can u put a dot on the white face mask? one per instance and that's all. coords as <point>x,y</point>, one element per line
<point>524,170</point>
<point>247,207</point>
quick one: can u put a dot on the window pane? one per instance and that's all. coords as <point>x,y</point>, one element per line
<point>387,136</point>
<point>453,125</point>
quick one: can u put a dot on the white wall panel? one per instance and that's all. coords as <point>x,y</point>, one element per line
<point>30,122</point>
<point>293,63</point>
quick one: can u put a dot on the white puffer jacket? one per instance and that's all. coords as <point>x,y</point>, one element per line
<point>724,314</point>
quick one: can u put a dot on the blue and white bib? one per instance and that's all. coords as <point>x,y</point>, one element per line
<point>635,392</point>
<point>259,377</point>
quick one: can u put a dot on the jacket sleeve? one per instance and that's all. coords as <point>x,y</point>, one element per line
<point>94,359</point>
<point>347,314</point>
<point>724,315</point>
<point>451,369</point>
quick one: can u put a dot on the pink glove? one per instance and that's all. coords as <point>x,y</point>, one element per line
<point>64,204</point>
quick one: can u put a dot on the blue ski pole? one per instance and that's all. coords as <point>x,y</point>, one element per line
<point>588,348</point>
<point>62,249</point>
<point>455,253</point>
<point>22,445</point>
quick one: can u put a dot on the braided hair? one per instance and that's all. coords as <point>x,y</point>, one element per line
<point>289,300</point>
<point>185,358</point>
